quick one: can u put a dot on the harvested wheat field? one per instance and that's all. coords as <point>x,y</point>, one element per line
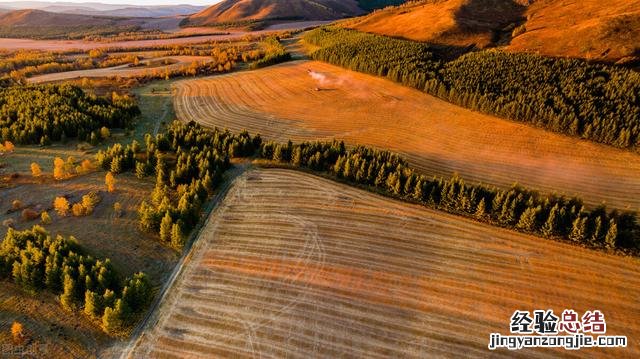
<point>314,100</point>
<point>293,265</point>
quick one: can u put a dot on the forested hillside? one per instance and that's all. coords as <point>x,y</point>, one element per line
<point>592,29</point>
<point>570,96</point>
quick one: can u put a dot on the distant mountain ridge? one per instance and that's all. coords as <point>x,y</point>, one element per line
<point>39,24</point>
<point>99,9</point>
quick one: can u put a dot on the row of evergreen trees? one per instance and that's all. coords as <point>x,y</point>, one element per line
<point>516,207</point>
<point>188,162</point>
<point>44,113</point>
<point>570,96</point>
<point>36,261</point>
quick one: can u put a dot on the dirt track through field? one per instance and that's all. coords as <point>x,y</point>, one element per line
<point>292,265</point>
<point>313,100</point>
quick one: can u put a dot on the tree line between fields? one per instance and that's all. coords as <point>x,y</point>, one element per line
<point>570,96</point>
<point>188,162</point>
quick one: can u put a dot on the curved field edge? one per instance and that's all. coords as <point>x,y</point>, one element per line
<point>295,265</point>
<point>305,101</point>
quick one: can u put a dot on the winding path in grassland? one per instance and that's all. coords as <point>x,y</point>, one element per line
<point>297,266</point>
<point>289,102</point>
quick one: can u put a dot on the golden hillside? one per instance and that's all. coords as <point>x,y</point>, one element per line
<point>243,10</point>
<point>606,30</point>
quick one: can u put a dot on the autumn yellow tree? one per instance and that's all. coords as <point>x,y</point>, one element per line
<point>89,202</point>
<point>105,133</point>
<point>17,332</point>
<point>86,166</point>
<point>45,218</point>
<point>110,181</point>
<point>61,206</point>
<point>59,171</point>
<point>7,147</point>
<point>78,210</point>
<point>36,171</point>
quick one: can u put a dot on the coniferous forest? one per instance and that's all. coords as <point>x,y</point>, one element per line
<point>45,113</point>
<point>187,162</point>
<point>597,102</point>
<point>38,261</point>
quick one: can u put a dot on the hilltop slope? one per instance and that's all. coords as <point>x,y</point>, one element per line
<point>450,22</point>
<point>41,24</point>
<point>606,30</point>
<point>44,18</point>
<point>245,10</point>
<point>590,28</point>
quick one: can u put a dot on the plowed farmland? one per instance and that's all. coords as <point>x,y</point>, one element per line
<point>314,100</point>
<point>292,265</point>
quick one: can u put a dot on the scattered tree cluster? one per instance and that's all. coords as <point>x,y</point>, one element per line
<point>41,114</point>
<point>273,52</point>
<point>36,261</point>
<point>64,169</point>
<point>570,96</point>
<point>517,208</point>
<point>187,162</point>
<point>17,67</point>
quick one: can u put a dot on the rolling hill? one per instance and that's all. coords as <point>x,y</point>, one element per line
<point>41,24</point>
<point>44,18</point>
<point>590,29</point>
<point>449,22</point>
<point>99,9</point>
<point>130,11</point>
<point>229,11</point>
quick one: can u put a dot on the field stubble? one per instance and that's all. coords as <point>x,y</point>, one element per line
<point>316,101</point>
<point>292,265</point>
